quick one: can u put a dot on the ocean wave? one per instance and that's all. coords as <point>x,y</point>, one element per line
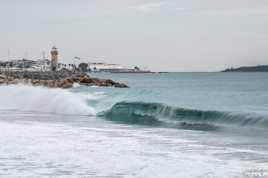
<point>80,102</point>
<point>157,114</point>
<point>50,100</point>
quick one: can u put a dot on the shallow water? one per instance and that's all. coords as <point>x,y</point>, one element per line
<point>165,125</point>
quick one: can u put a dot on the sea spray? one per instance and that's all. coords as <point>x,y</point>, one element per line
<point>54,100</point>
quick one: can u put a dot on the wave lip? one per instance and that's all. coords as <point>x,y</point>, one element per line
<point>157,114</point>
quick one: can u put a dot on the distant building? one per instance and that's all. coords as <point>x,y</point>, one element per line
<point>20,64</point>
<point>103,67</point>
<point>42,64</point>
<point>53,64</point>
<point>84,67</point>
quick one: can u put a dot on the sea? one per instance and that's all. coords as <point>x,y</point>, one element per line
<point>166,125</point>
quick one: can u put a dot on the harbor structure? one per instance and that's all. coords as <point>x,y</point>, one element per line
<point>54,58</point>
<point>115,68</point>
<point>103,67</point>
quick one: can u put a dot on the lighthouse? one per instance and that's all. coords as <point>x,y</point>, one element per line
<point>54,58</point>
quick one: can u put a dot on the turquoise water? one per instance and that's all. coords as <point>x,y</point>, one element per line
<point>164,125</point>
<point>209,91</point>
<point>239,99</point>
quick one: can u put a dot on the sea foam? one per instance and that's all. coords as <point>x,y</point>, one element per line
<point>54,100</point>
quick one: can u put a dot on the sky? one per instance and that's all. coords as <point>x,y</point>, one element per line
<point>162,35</point>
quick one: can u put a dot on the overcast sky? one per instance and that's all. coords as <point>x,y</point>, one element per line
<point>163,35</point>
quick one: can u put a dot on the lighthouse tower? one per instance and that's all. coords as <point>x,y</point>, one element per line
<point>54,58</point>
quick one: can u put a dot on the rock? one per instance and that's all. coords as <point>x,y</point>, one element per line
<point>2,81</point>
<point>70,80</point>
<point>67,85</point>
<point>43,82</point>
<point>61,79</point>
<point>35,82</point>
<point>85,80</point>
<point>76,79</point>
<point>64,83</point>
<point>110,82</point>
<point>3,76</point>
<point>51,83</point>
<point>120,85</point>
<point>13,82</point>
<point>59,83</point>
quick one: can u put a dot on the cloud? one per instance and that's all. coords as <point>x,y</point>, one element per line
<point>133,10</point>
<point>148,6</point>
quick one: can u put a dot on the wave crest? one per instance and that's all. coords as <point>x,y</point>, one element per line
<point>157,114</point>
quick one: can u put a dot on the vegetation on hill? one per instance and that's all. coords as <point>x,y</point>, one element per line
<point>261,68</point>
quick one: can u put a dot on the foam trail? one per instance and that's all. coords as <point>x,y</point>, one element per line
<point>54,100</point>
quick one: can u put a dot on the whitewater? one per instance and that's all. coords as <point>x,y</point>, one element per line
<point>165,125</point>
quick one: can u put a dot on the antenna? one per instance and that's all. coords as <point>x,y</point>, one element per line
<point>26,55</point>
<point>43,54</point>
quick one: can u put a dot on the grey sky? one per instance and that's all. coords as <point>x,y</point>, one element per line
<point>164,35</point>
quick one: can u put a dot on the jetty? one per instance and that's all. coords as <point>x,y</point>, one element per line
<point>55,79</point>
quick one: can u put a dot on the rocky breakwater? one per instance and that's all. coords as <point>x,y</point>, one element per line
<point>59,79</point>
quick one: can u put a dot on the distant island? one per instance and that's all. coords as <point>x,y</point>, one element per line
<point>260,68</point>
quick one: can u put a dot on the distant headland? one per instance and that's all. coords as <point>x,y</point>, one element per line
<point>260,68</point>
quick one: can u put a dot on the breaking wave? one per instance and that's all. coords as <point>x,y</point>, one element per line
<point>77,102</point>
<point>52,100</point>
<point>156,114</point>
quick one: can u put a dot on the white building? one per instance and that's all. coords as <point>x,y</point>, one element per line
<point>98,67</point>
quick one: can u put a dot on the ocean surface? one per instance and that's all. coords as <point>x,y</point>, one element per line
<point>166,125</point>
